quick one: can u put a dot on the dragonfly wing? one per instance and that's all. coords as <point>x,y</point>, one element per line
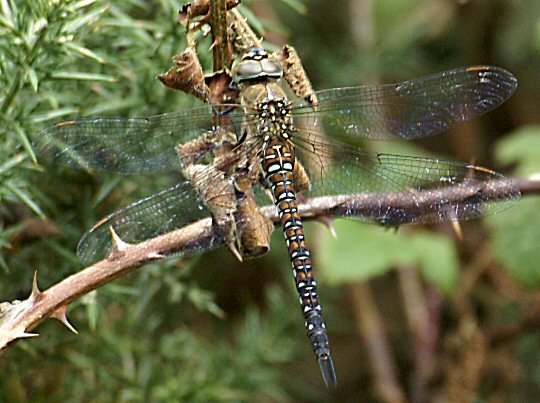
<point>158,214</point>
<point>409,110</point>
<point>394,190</point>
<point>128,145</point>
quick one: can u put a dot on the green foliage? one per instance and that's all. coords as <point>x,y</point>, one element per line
<point>138,353</point>
<point>515,241</point>
<point>364,251</point>
<point>516,232</point>
<point>521,148</point>
<point>71,58</point>
<point>172,363</point>
<point>245,371</point>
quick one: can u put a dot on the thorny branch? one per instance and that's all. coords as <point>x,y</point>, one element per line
<point>16,319</point>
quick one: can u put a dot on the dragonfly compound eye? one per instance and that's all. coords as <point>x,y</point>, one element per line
<point>248,70</point>
<point>257,66</point>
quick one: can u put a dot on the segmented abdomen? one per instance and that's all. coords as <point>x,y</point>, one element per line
<point>278,165</point>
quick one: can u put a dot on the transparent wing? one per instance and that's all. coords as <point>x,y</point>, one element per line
<point>411,109</point>
<point>130,145</point>
<point>394,190</point>
<point>158,214</point>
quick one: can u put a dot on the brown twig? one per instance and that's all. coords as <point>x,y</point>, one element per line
<point>372,329</point>
<point>415,203</point>
<point>424,330</point>
<point>18,318</point>
<point>466,352</point>
<point>200,8</point>
<point>187,74</point>
<point>221,49</point>
<point>465,348</point>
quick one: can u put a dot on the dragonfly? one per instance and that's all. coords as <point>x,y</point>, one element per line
<point>292,150</point>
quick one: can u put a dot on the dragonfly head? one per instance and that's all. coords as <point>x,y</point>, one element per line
<point>256,66</point>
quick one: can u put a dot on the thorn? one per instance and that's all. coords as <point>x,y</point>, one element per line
<point>155,255</point>
<point>36,293</point>
<point>214,44</point>
<point>118,246</point>
<point>456,226</point>
<point>232,247</point>
<point>23,334</point>
<point>328,222</point>
<point>60,314</point>
<point>35,288</point>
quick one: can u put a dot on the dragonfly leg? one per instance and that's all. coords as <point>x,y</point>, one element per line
<point>215,108</point>
<point>242,138</point>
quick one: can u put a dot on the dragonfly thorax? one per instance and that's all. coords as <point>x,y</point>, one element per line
<point>274,119</point>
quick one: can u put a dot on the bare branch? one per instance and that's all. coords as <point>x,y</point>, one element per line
<point>18,318</point>
<point>415,203</point>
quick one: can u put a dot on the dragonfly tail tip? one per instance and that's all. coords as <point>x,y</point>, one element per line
<point>328,372</point>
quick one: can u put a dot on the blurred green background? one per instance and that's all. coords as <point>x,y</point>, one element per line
<point>414,316</point>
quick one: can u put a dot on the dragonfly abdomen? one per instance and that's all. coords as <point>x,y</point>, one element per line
<point>278,166</point>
